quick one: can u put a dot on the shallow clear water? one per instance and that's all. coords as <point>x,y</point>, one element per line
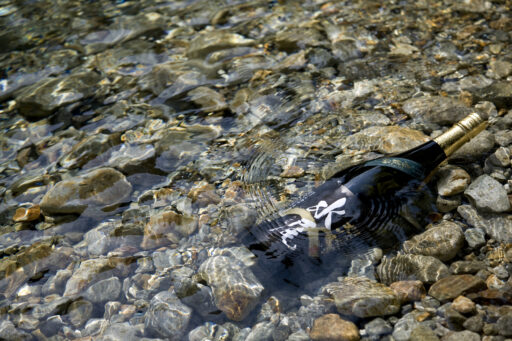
<point>139,139</point>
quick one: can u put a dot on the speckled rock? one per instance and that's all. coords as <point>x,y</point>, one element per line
<point>167,317</point>
<point>104,290</point>
<point>362,297</point>
<point>409,291</point>
<point>488,195</point>
<point>465,335</point>
<point>477,147</point>
<point>498,226</point>
<point>436,109</point>
<point>411,267</point>
<point>452,180</point>
<point>99,189</point>
<point>452,286</point>
<point>390,139</point>
<point>235,288</point>
<point>167,227</point>
<point>442,241</point>
<point>332,327</point>
<point>41,99</point>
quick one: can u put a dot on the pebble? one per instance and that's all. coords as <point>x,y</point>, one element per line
<point>426,269</point>
<point>442,241</point>
<point>452,286</point>
<point>409,291</point>
<point>452,180</point>
<point>235,288</point>
<point>25,214</point>
<point>504,325</point>
<point>79,312</point>
<point>333,327</point>
<point>167,317</point>
<point>104,290</point>
<point>423,333</point>
<point>362,297</point>
<point>101,188</point>
<point>487,195</point>
<point>378,327</point>
<point>474,323</point>
<point>475,237</point>
<point>464,305</point>
<point>167,227</point>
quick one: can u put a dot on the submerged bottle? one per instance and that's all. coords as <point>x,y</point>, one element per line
<point>360,206</point>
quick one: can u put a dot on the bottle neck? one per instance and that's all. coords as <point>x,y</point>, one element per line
<point>463,131</point>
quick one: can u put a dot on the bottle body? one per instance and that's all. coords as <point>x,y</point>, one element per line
<point>362,206</point>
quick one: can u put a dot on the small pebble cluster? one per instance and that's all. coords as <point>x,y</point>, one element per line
<point>131,132</point>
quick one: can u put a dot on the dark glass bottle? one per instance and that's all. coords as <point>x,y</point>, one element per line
<point>359,207</point>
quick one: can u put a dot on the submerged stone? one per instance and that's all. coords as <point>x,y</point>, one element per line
<point>333,327</point>
<point>167,227</point>
<point>498,226</point>
<point>453,286</point>
<point>411,267</point>
<point>101,188</point>
<point>235,288</point>
<point>389,139</point>
<point>488,195</point>
<point>167,317</point>
<point>436,109</point>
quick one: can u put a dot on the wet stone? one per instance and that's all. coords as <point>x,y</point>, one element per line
<point>409,291</point>
<point>86,150</point>
<point>167,317</point>
<point>467,267</point>
<point>167,227</point>
<point>362,297</point>
<point>474,323</point>
<point>476,148</point>
<point>447,204</point>
<point>404,326</point>
<point>51,326</point>
<point>261,331</point>
<point>498,226</point>
<point>104,290</point>
<point>442,241</point>
<point>208,99</point>
<point>25,214</point>
<point>423,333</point>
<point>436,109</point>
<point>464,305</point>
<point>235,288</point>
<point>504,324</point>
<point>411,267</point>
<point>121,331</point>
<point>333,327</point>
<point>208,42</point>
<point>101,188</point>
<point>465,335</point>
<point>452,180</point>
<point>378,327</point>
<point>390,139</point>
<point>452,286</point>
<point>500,68</point>
<point>9,332</point>
<point>475,237</point>
<point>79,312</point>
<point>488,195</point>
<point>43,98</point>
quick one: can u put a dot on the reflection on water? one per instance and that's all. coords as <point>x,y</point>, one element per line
<point>141,140</point>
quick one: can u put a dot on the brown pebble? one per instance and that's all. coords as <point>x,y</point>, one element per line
<point>422,316</point>
<point>292,172</point>
<point>24,214</point>
<point>464,305</point>
<point>409,291</point>
<point>493,282</point>
<point>332,327</point>
<point>452,286</point>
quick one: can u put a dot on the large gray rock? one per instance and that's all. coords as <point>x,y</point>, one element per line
<point>411,267</point>
<point>167,317</point>
<point>488,195</point>
<point>442,241</point>
<point>235,288</point>
<point>362,297</point>
<point>498,226</point>
<point>99,189</point>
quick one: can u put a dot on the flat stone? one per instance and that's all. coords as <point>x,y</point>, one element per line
<point>409,291</point>
<point>46,96</point>
<point>452,180</point>
<point>465,335</point>
<point>362,297</point>
<point>333,328</point>
<point>488,195</point>
<point>411,267</point>
<point>100,188</point>
<point>86,150</point>
<point>467,267</point>
<point>235,288</point>
<point>497,226</point>
<point>436,109</point>
<point>167,317</point>
<point>166,227</point>
<point>455,285</point>
<point>388,140</point>
<point>442,241</point>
